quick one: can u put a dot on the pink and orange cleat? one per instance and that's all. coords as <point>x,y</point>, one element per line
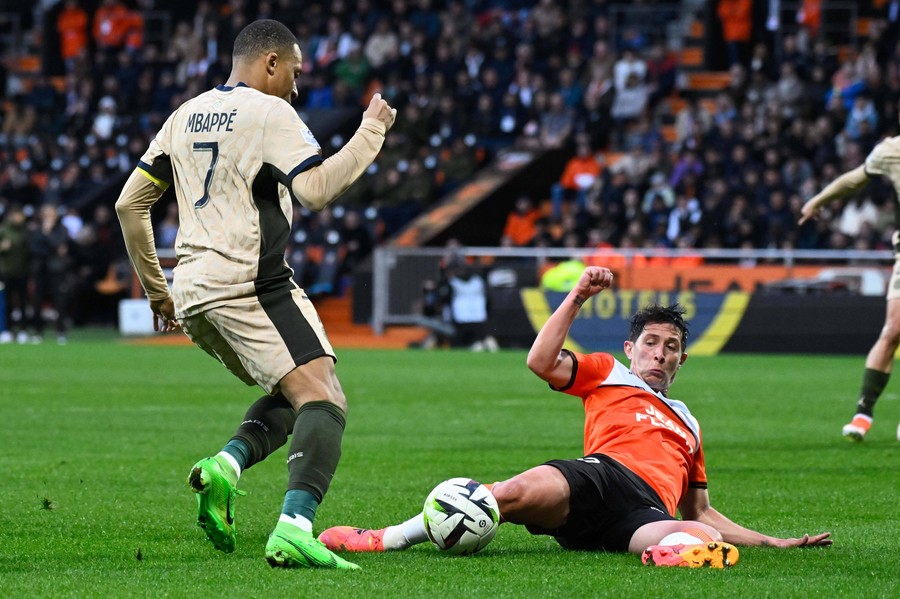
<point>704,555</point>
<point>858,427</point>
<point>357,540</point>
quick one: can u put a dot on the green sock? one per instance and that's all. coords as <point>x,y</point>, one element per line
<point>874,382</point>
<point>315,447</point>
<point>300,503</point>
<point>239,450</point>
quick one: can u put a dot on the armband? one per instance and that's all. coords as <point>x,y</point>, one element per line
<point>579,301</point>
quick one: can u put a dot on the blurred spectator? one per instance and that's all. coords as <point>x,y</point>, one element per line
<point>105,121</point>
<point>353,70</point>
<point>858,212</point>
<point>630,64</point>
<point>112,23</point>
<point>19,119</point>
<point>692,123</point>
<point>556,124</point>
<point>662,71</point>
<point>15,261</point>
<point>659,187</point>
<point>434,314</point>
<point>579,175</point>
<point>166,230</point>
<point>683,218</point>
<point>520,226</point>
<point>788,91</point>
<point>382,44</point>
<point>469,307</point>
<point>72,25</point>
<point>862,120</point>
<point>356,239</point>
<point>51,269</point>
<point>457,164</point>
<point>630,102</point>
<point>737,27</point>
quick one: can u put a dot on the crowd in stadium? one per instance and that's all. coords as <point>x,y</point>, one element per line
<point>469,78</point>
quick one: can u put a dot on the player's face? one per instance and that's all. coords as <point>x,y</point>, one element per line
<point>657,355</point>
<point>287,71</point>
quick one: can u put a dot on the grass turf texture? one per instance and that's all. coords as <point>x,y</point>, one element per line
<point>97,439</point>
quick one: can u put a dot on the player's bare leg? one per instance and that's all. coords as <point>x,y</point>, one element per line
<point>537,497</point>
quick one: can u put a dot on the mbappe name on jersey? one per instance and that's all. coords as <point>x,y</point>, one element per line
<point>204,122</point>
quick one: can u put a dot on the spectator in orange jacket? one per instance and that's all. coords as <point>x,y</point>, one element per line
<point>579,175</point>
<point>72,25</point>
<point>520,224</point>
<point>112,22</point>
<point>737,27</point>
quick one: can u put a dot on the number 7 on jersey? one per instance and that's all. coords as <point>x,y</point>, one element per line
<point>207,146</point>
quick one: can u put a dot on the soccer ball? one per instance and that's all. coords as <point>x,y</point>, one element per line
<point>461,516</point>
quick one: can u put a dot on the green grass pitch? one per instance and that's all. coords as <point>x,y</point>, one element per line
<point>97,437</point>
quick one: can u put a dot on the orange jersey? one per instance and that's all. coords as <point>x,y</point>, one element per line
<point>655,437</point>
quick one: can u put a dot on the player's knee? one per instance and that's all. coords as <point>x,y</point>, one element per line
<point>891,333</point>
<point>510,495</point>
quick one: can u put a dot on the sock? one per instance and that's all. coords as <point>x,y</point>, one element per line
<point>227,458</point>
<point>299,509</point>
<point>679,538</point>
<point>237,452</point>
<point>315,447</point>
<point>298,521</point>
<point>265,428</point>
<point>700,534</point>
<point>405,535</point>
<point>874,382</point>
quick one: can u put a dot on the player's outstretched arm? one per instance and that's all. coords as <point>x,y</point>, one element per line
<point>842,187</point>
<point>695,506</point>
<point>545,358</point>
<point>318,187</point>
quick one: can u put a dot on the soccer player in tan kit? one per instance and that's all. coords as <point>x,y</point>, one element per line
<point>238,155</point>
<point>883,160</point>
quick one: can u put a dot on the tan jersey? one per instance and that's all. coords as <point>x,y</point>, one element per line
<point>234,156</point>
<point>884,160</point>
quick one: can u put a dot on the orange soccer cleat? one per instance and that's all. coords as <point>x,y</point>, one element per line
<point>857,428</point>
<point>703,555</point>
<point>357,540</point>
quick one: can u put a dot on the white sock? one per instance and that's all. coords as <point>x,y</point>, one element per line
<point>680,538</point>
<point>298,521</point>
<point>231,461</point>
<point>402,536</point>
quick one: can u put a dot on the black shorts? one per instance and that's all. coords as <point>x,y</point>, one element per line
<point>608,503</point>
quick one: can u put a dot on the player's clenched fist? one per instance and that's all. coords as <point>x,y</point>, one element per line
<point>593,280</point>
<point>381,110</point>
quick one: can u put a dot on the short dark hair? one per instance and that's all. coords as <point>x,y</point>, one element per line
<point>654,313</point>
<point>261,37</point>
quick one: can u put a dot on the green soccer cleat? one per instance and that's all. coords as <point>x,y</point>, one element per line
<point>290,547</point>
<point>215,502</point>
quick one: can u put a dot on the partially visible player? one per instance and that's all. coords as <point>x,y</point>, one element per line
<point>643,456</point>
<point>883,160</point>
<point>237,155</point>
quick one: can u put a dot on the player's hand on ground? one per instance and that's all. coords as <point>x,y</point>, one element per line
<point>164,315</point>
<point>381,110</point>
<point>819,540</point>
<point>593,280</point>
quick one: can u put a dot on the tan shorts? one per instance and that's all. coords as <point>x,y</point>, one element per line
<point>893,290</point>
<point>261,339</point>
